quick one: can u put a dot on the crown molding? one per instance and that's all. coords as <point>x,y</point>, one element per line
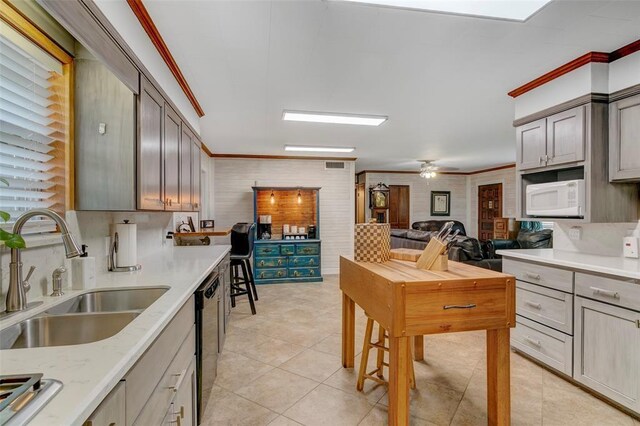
<point>587,58</point>
<point>410,172</point>
<point>140,11</point>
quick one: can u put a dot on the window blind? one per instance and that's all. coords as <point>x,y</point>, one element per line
<point>32,129</point>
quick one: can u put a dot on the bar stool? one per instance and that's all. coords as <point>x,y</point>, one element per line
<point>381,347</point>
<point>242,237</point>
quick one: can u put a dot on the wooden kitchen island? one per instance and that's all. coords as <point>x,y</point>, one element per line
<point>410,302</point>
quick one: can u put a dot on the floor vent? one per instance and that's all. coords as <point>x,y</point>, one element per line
<point>334,165</point>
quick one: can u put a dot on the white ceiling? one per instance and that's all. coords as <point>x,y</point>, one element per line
<point>441,79</point>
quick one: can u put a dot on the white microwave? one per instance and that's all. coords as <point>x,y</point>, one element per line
<point>556,199</point>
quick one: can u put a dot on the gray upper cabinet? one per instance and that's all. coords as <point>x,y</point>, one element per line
<point>196,154</point>
<point>172,135</point>
<point>150,158</point>
<point>566,137</point>
<point>624,139</point>
<point>531,144</point>
<point>557,139</point>
<point>186,145</point>
<point>105,137</point>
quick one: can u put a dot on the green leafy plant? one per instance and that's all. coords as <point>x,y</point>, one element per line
<point>10,240</point>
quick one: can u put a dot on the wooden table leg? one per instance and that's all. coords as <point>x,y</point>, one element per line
<point>399,359</point>
<point>498,373</point>
<point>418,348</point>
<point>348,331</point>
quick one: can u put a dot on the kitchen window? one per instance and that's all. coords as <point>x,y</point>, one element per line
<point>35,121</point>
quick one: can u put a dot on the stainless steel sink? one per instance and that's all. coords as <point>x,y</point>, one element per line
<point>63,330</point>
<point>116,300</point>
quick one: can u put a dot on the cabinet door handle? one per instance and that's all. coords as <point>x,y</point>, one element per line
<point>533,341</point>
<point>262,263</point>
<point>469,306</point>
<point>533,305</point>
<point>532,276</point>
<point>179,381</point>
<point>279,262</point>
<point>606,293</point>
<point>540,160</point>
<point>180,413</point>
<point>311,272</point>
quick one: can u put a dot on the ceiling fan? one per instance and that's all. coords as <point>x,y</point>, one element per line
<point>428,169</point>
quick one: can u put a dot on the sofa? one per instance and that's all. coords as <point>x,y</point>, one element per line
<point>466,249</point>
<point>526,239</point>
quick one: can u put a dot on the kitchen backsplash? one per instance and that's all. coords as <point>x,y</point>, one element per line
<point>92,229</point>
<point>597,238</point>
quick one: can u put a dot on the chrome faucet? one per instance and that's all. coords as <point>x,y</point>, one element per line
<point>17,290</point>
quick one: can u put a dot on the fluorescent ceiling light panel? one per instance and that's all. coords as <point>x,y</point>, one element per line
<point>308,148</point>
<point>333,118</point>
<point>513,10</point>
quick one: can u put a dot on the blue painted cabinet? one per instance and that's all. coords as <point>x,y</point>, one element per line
<point>279,261</point>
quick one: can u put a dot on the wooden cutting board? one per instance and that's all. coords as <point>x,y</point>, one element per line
<point>411,255</point>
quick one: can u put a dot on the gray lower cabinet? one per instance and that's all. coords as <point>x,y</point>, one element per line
<point>111,411</point>
<point>607,350</point>
<point>584,325</point>
<point>624,139</point>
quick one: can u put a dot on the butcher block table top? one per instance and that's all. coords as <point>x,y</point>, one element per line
<point>410,302</point>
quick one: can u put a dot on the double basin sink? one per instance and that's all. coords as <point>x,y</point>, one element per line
<point>86,318</point>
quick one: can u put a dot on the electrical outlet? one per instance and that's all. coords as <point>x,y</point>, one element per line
<point>575,233</point>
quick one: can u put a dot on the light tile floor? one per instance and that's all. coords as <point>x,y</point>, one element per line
<point>282,367</point>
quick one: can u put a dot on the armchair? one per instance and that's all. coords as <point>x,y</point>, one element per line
<point>526,239</point>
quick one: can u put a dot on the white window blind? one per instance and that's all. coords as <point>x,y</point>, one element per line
<point>32,129</point>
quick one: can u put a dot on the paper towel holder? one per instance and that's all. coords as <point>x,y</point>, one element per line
<point>112,259</point>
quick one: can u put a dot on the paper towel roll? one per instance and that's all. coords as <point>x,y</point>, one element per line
<point>126,253</point>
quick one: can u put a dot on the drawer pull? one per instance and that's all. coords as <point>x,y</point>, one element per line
<point>267,250</point>
<point>279,262</point>
<point>532,341</point>
<point>533,305</point>
<point>469,306</point>
<point>606,293</point>
<point>179,381</point>
<point>262,263</point>
<point>532,276</point>
<point>180,413</point>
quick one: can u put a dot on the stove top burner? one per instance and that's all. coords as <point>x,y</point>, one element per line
<point>23,395</point>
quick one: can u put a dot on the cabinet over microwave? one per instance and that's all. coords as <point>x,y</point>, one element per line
<point>556,199</point>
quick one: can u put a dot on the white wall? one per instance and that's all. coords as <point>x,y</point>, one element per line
<point>464,194</point>
<point>233,201</point>
<point>420,194</point>
<point>588,78</point>
<point>92,229</point>
<point>507,177</point>
<point>125,22</point>
<point>604,239</point>
<point>624,72</point>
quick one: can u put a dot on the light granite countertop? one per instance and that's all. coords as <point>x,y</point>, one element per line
<point>616,266</point>
<point>89,371</point>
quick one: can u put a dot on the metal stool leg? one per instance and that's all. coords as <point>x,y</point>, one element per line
<point>245,274</point>
<point>251,280</point>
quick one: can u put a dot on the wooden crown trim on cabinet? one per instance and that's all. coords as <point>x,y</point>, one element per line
<point>279,157</point>
<point>587,58</point>
<point>154,35</point>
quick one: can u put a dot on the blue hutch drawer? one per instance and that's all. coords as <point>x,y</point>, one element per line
<point>269,274</point>
<point>271,262</point>
<point>304,272</point>
<point>267,250</point>
<point>287,249</point>
<point>307,248</point>
<point>298,261</point>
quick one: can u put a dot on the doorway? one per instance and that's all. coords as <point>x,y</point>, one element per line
<point>360,203</point>
<point>399,206</point>
<point>489,208</point>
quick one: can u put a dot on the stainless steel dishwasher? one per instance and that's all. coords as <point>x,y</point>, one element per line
<point>207,300</point>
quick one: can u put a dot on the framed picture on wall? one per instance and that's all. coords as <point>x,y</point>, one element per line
<point>440,203</point>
